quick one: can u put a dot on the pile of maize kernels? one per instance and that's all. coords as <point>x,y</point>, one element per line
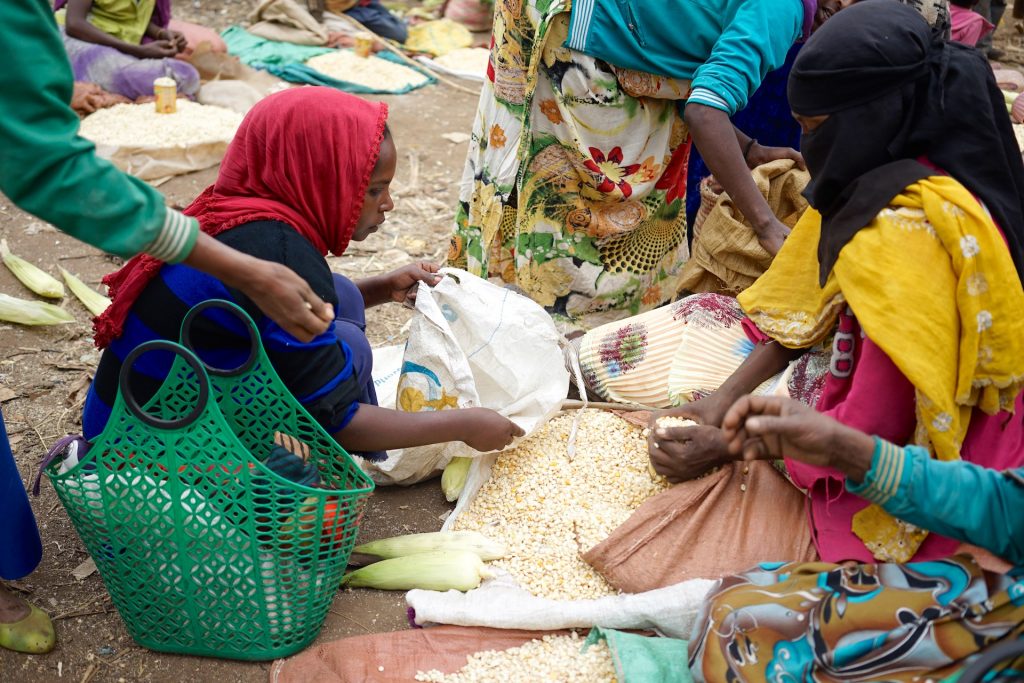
<point>140,125</point>
<point>551,658</point>
<point>372,72</point>
<point>550,510</point>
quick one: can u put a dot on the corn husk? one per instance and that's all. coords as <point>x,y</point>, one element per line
<point>90,298</point>
<point>39,281</point>
<point>25,312</point>
<point>438,541</point>
<point>453,479</point>
<point>435,571</point>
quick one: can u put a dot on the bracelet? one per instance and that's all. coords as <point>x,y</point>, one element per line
<point>750,146</point>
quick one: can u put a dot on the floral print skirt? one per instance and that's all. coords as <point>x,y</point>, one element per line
<point>574,185</point>
<point>682,352</point>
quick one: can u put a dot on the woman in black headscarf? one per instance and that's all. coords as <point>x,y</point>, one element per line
<point>911,261</point>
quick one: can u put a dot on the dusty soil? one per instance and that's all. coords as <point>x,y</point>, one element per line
<point>44,373</point>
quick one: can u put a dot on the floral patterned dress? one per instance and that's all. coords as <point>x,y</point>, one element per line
<point>574,185</point>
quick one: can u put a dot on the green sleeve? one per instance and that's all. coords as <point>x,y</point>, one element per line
<point>980,506</point>
<point>51,172</point>
<point>754,42</point>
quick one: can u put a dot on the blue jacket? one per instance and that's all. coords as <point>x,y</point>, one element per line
<point>957,499</point>
<point>725,47</point>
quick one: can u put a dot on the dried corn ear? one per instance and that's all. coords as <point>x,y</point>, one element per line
<point>413,544</point>
<point>24,312</point>
<point>90,298</point>
<point>436,571</point>
<point>453,479</point>
<point>39,281</point>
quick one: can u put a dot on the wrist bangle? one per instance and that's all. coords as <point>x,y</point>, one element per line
<point>750,146</point>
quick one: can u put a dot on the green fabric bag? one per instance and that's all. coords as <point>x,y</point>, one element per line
<point>286,61</point>
<point>640,659</point>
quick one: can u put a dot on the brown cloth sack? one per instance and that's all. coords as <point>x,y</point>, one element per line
<point>287,21</point>
<point>707,528</point>
<point>726,257</point>
<point>394,657</point>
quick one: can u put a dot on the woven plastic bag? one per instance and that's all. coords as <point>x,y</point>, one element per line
<point>474,344</point>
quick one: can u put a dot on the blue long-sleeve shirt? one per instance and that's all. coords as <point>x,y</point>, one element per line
<point>957,499</point>
<point>724,47</point>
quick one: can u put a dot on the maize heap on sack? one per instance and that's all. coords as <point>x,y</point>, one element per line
<point>372,72</point>
<point>551,658</point>
<point>139,125</point>
<point>549,510</point>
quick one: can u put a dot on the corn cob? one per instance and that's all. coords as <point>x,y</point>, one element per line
<point>437,571</point>
<point>39,281</point>
<point>24,312</point>
<point>90,298</point>
<point>453,479</point>
<point>414,544</point>
<point>551,658</point>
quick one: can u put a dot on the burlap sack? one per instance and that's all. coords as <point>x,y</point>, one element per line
<point>287,21</point>
<point>726,257</point>
<point>395,657</point>
<point>722,524</point>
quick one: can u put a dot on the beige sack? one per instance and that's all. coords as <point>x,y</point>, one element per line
<point>287,21</point>
<point>726,257</point>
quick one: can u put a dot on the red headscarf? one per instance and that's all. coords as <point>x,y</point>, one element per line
<point>303,157</point>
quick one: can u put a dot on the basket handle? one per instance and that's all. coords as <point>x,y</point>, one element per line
<point>124,386</point>
<point>238,312</point>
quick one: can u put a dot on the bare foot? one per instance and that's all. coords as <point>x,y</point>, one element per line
<point>12,608</point>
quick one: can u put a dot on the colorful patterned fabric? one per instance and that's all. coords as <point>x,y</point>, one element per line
<point>814,622</point>
<point>120,73</point>
<point>682,352</point>
<point>970,326</point>
<point>574,185</point>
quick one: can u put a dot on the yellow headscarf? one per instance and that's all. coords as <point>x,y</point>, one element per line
<point>932,283</point>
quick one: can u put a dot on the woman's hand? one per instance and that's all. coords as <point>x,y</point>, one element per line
<point>770,427</point>
<point>157,49</point>
<point>685,453</point>
<point>772,235</point>
<point>404,282</point>
<point>175,38</point>
<point>487,431</point>
<point>760,155</point>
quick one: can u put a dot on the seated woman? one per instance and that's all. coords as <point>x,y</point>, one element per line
<point>307,172</point>
<point>124,45</point>
<point>857,622</point>
<point>904,265</point>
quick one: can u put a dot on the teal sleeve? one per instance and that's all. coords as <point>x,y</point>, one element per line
<point>957,499</point>
<point>755,42</point>
<point>48,170</point>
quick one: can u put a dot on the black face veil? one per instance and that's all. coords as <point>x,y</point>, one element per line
<point>894,93</point>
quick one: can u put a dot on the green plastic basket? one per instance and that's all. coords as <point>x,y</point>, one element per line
<point>203,549</point>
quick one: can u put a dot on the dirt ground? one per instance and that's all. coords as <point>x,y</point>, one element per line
<point>44,373</point>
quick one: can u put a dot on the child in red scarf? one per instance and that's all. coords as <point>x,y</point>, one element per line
<point>307,172</point>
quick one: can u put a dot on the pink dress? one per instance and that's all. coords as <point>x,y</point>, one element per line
<point>968,26</point>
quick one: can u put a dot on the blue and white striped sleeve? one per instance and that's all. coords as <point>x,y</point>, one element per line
<point>176,238</point>
<point>958,499</point>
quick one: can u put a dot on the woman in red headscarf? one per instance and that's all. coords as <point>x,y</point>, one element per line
<point>308,172</point>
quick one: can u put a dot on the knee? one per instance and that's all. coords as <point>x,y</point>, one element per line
<point>351,306</point>
<point>186,76</point>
